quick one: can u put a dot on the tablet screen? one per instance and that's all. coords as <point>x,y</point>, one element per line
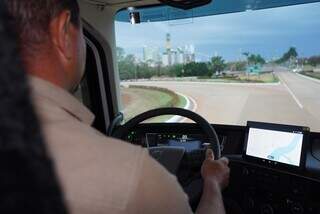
<point>277,146</point>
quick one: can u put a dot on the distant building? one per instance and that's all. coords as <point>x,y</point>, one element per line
<point>190,54</point>
<point>170,56</point>
<point>180,58</point>
<point>168,42</point>
<point>147,54</point>
<point>151,55</point>
<point>165,59</point>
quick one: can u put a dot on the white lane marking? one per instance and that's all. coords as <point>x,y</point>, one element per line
<point>291,93</point>
<point>195,107</point>
<point>177,118</point>
<point>188,105</point>
<point>195,104</point>
<point>309,78</point>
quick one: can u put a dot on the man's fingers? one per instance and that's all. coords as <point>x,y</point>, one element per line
<point>225,160</point>
<point>209,154</point>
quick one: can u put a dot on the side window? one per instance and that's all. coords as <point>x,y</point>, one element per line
<point>96,90</point>
<point>92,89</point>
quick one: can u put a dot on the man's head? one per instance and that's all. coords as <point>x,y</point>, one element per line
<point>50,39</point>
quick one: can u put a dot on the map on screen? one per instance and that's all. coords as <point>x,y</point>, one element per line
<point>283,147</point>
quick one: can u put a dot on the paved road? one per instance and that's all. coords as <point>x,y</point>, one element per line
<point>296,100</point>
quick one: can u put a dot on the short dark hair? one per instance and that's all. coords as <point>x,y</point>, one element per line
<point>31,18</point>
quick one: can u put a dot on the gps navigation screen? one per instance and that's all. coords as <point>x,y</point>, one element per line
<point>278,146</point>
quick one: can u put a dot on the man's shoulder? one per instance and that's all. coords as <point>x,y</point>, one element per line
<point>84,138</point>
<point>113,175</point>
<point>106,169</point>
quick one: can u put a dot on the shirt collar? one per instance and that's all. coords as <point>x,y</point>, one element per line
<point>61,98</point>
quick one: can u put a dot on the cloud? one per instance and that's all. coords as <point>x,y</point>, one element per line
<point>263,31</point>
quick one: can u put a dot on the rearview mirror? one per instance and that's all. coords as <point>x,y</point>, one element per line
<point>134,18</point>
<point>186,4</point>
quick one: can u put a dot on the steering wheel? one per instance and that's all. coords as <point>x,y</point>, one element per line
<point>208,130</point>
<point>172,160</point>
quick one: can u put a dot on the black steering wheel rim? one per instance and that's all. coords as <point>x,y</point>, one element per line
<point>208,130</point>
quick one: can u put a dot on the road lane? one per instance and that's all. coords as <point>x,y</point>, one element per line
<point>306,90</point>
<point>238,103</point>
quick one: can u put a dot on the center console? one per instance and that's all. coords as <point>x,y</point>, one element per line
<point>257,189</point>
<point>268,177</point>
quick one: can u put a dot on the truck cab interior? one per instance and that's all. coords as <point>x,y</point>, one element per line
<point>240,77</point>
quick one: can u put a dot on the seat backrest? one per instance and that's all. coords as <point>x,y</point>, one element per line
<point>28,183</point>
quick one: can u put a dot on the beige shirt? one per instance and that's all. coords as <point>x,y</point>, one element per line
<point>100,174</point>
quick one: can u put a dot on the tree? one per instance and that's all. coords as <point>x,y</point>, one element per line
<point>127,68</point>
<point>240,66</point>
<point>120,54</point>
<point>236,66</point>
<point>314,60</point>
<point>176,71</point>
<point>291,54</point>
<point>217,65</point>
<point>195,69</point>
<point>254,59</point>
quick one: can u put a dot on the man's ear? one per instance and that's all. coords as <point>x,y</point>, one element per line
<point>61,34</point>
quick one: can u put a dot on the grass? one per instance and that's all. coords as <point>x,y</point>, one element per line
<point>146,98</point>
<point>181,104</point>
<point>244,78</point>
<point>266,77</point>
<point>315,75</point>
<point>259,78</point>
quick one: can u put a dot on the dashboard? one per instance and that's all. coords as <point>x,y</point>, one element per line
<point>261,181</point>
<point>152,135</point>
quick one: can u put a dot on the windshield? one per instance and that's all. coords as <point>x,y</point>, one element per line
<point>261,65</point>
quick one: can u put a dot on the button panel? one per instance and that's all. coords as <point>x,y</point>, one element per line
<point>266,191</point>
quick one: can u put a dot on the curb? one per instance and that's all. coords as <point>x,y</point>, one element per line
<point>216,83</point>
<point>309,78</point>
<point>190,105</point>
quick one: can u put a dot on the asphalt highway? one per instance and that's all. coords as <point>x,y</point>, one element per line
<point>295,100</point>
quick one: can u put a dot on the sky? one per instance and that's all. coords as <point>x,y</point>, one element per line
<point>267,32</point>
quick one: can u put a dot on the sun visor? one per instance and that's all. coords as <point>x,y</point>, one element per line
<point>166,13</point>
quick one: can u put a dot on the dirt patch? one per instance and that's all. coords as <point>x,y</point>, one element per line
<point>126,98</point>
<point>138,99</point>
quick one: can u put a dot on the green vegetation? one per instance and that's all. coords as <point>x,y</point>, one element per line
<point>181,103</point>
<point>217,65</point>
<point>290,55</point>
<point>196,69</point>
<point>312,61</point>
<point>254,59</point>
<point>261,78</point>
<point>291,60</point>
<point>217,69</point>
<point>138,99</point>
<point>267,77</point>
<point>236,66</point>
<point>315,75</point>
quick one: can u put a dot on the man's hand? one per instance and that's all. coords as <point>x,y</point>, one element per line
<point>216,177</point>
<point>215,172</point>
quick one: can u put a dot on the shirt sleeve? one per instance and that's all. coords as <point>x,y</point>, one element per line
<point>158,191</point>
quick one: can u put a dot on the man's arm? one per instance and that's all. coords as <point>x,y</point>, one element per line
<point>216,177</point>
<point>211,200</point>
<point>159,192</point>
